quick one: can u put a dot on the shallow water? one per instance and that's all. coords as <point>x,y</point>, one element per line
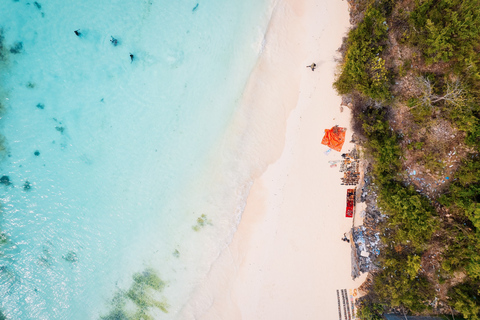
<point>108,154</point>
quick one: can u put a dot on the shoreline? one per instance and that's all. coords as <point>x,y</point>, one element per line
<point>286,259</point>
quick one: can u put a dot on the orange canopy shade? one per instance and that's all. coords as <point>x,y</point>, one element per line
<point>334,138</point>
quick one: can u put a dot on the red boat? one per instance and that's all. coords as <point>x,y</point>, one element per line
<point>350,203</point>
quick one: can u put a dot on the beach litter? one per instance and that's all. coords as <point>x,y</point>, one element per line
<point>350,168</point>
<point>364,248</point>
<point>333,163</point>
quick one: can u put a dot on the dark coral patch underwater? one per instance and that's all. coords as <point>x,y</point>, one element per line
<point>5,180</point>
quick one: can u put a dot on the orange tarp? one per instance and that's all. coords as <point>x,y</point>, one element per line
<point>334,138</point>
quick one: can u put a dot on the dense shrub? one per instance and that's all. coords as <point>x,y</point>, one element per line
<point>363,68</point>
<point>465,298</point>
<point>369,310</point>
<point>448,30</point>
<point>399,283</point>
<point>464,193</point>
<point>410,215</point>
<point>463,242</point>
<point>410,222</point>
<point>382,145</point>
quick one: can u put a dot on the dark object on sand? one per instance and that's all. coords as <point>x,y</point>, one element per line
<point>78,33</point>
<point>5,180</point>
<point>345,238</point>
<point>114,41</point>
<point>312,66</point>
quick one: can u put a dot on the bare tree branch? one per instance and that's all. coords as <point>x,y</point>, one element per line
<point>454,93</point>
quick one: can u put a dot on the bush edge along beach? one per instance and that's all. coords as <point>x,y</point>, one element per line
<point>410,72</point>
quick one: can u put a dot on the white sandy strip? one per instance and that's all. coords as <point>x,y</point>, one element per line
<point>286,259</point>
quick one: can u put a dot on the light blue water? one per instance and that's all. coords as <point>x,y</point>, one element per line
<point>108,157</point>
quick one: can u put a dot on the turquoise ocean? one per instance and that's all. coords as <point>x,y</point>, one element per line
<point>118,189</point>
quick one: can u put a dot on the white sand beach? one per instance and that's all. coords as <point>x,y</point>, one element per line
<point>286,260</point>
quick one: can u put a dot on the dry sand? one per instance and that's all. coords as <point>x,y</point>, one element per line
<point>286,260</point>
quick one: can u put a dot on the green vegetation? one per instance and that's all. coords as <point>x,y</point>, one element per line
<point>410,224</point>
<point>463,241</point>
<point>364,69</point>
<point>448,30</point>
<point>466,299</point>
<point>202,221</point>
<point>411,70</point>
<point>138,301</point>
<point>369,310</point>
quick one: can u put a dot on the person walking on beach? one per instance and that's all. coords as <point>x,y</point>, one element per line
<point>312,66</point>
<point>345,238</point>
